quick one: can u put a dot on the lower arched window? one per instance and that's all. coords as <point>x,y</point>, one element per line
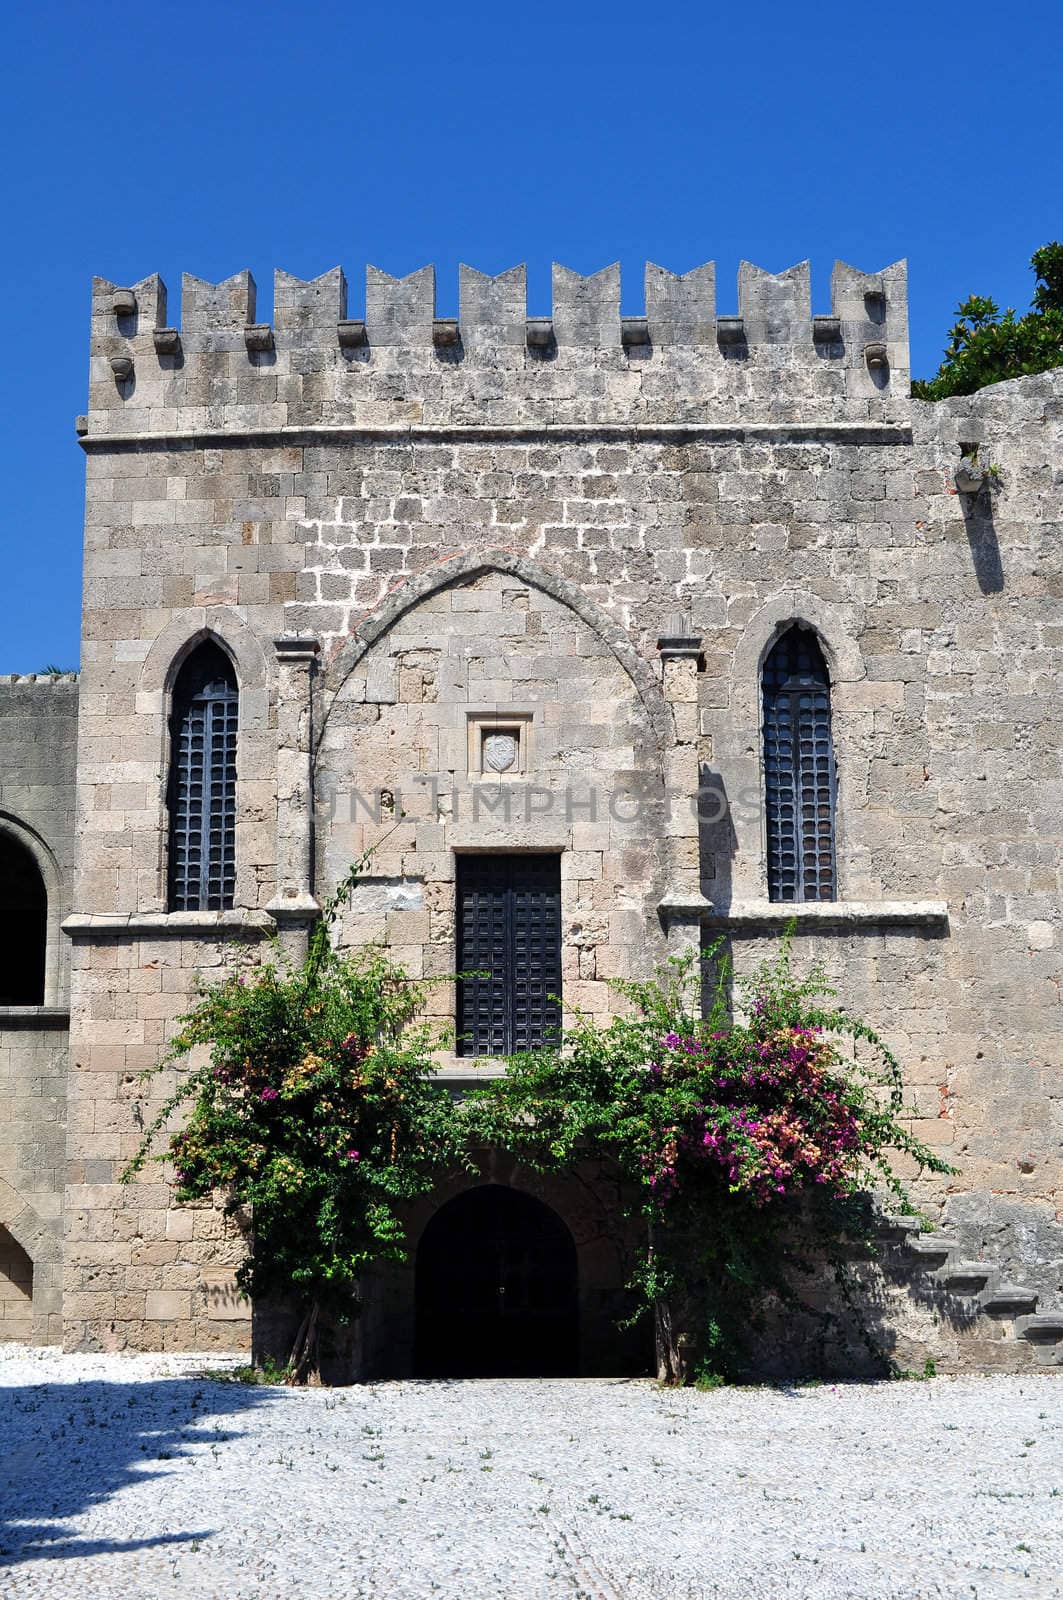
<point>23,925</point>
<point>202,789</point>
<point>799,776</point>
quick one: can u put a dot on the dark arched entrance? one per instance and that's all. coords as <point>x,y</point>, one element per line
<point>23,925</point>
<point>496,1289</point>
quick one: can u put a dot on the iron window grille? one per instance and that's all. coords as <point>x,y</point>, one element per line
<point>202,789</point>
<point>799,772</point>
<point>509,926</point>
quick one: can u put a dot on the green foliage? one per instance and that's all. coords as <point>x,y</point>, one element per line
<point>269,1373</point>
<point>905,1374</point>
<point>746,1147</point>
<point>987,347</point>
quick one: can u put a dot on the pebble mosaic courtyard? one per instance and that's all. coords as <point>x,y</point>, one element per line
<point>124,1477</point>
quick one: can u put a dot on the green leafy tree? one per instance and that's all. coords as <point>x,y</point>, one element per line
<point>315,1116</point>
<point>745,1149</point>
<point>987,347</point>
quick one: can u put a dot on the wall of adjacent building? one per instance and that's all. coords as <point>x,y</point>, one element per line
<point>38,734</point>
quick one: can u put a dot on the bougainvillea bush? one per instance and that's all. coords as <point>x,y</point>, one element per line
<point>747,1146</point>
<point>315,1116</point>
<point>744,1147</point>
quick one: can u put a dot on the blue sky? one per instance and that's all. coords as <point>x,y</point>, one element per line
<point>208,138</point>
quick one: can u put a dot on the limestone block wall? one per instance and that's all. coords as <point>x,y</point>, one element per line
<point>33,1098</point>
<point>38,733</point>
<point>510,513</point>
<point>138,1272</point>
<point>16,1289</point>
<point>38,753</point>
<point>406,721</point>
<point>989,577</point>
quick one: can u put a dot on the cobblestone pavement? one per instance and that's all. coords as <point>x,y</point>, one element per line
<point>131,1476</point>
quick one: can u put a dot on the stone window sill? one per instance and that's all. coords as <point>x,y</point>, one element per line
<point>170,922</point>
<point>463,1070</point>
<point>34,1017</point>
<point>808,915</point>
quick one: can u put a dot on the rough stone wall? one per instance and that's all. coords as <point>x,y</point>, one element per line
<point>38,732</point>
<point>38,754</point>
<point>412,495</point>
<point>33,1091</point>
<point>989,574</point>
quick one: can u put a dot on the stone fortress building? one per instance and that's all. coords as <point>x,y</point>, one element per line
<point>504,596</point>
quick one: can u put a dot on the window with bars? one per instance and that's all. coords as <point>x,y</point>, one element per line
<point>509,926</point>
<point>799,776</point>
<point>202,789</point>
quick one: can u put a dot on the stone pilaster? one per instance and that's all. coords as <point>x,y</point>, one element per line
<point>294,905</point>
<point>683,905</point>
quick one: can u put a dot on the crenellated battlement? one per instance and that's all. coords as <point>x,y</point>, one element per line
<point>21,680</point>
<point>402,362</point>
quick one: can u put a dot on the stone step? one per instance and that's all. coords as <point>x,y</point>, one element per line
<point>899,1223</point>
<point>1044,1329</point>
<point>1009,1299</point>
<point>966,1277</point>
<point>931,1246</point>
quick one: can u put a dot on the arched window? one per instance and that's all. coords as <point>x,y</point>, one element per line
<point>202,789</point>
<point>799,778</point>
<point>23,925</point>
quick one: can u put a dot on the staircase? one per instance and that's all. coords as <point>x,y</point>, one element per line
<point>975,1319</point>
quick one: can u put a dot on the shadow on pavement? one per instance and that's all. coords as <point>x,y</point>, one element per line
<point>68,1447</point>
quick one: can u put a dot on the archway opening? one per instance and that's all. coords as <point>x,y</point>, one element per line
<point>497,1289</point>
<point>23,925</point>
<point>16,1289</point>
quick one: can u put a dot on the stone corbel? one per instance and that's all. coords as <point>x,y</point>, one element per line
<point>682,912</point>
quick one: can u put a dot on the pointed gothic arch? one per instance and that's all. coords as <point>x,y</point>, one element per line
<point>186,632</point>
<point>465,569</point>
<point>32,912</point>
<point>28,1229</point>
<point>201,784</point>
<point>799,768</point>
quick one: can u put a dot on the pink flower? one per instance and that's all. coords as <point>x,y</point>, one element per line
<point>270,1094</point>
<point>352,1155</point>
